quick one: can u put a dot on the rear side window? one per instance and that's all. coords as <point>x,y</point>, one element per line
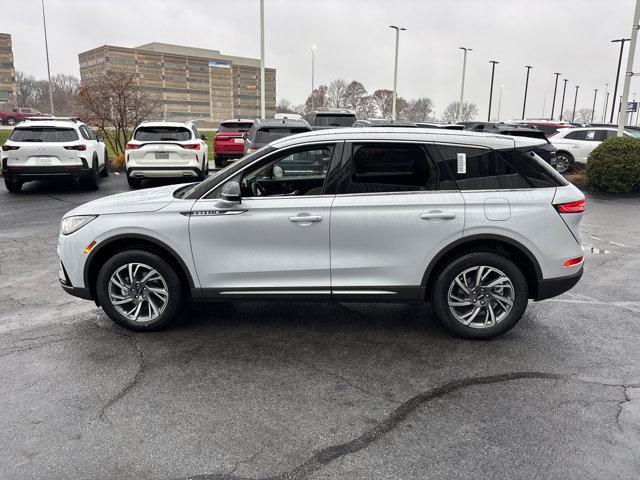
<point>391,167</point>
<point>44,134</point>
<point>538,172</point>
<point>235,127</point>
<point>485,169</point>
<point>162,134</point>
<point>268,135</point>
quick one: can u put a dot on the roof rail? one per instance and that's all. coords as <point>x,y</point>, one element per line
<point>54,119</point>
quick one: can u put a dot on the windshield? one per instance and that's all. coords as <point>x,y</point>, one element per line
<point>162,134</point>
<point>235,127</point>
<point>268,135</point>
<point>334,120</point>
<point>44,134</point>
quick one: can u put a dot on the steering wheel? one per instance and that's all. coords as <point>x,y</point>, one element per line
<point>258,190</point>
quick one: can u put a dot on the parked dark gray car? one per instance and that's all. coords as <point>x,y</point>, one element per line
<point>265,131</point>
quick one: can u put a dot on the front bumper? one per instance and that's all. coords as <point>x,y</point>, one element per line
<point>79,292</point>
<point>552,287</point>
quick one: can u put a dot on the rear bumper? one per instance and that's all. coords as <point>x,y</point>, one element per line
<point>38,173</point>
<point>229,155</point>
<point>163,172</point>
<point>552,287</point>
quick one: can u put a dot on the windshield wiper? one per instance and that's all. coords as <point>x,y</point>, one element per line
<point>30,140</point>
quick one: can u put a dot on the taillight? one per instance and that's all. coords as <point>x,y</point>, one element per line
<point>571,207</point>
<point>132,146</point>
<point>8,148</point>
<point>573,262</point>
<point>81,148</point>
<point>191,146</point>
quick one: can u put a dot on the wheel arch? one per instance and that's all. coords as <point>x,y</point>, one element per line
<point>499,244</point>
<point>133,241</point>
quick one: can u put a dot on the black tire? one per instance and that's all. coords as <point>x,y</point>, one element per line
<point>14,186</point>
<point>218,162</point>
<point>105,167</point>
<point>565,162</point>
<point>93,180</point>
<point>457,266</point>
<point>175,300</point>
<point>10,121</point>
<point>134,183</point>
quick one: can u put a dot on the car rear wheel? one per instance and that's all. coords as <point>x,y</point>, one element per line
<point>105,167</point>
<point>564,162</point>
<point>93,180</point>
<point>480,295</point>
<point>14,185</point>
<point>139,290</point>
<point>218,162</point>
<point>134,183</point>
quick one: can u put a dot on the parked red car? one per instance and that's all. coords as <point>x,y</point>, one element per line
<point>228,144</point>
<point>16,115</point>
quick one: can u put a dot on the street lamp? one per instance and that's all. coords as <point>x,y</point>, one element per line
<point>263,113</point>
<point>395,72</point>
<point>313,73</point>
<point>493,71</point>
<point>564,90</point>
<point>606,102</point>
<point>575,100</point>
<point>615,88</point>
<point>500,101</point>
<point>46,48</point>
<point>629,70</point>
<point>555,88</point>
<point>595,95</point>
<point>464,70</point>
<point>544,104</point>
<point>526,87</point>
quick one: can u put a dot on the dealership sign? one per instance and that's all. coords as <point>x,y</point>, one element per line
<point>632,107</point>
<point>219,64</point>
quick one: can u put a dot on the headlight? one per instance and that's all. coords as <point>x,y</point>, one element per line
<point>72,224</point>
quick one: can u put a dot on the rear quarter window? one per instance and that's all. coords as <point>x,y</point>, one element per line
<point>162,134</point>
<point>44,134</point>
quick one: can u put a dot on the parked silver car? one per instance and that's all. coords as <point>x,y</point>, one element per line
<point>475,223</point>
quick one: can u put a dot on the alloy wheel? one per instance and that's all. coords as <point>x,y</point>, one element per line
<point>481,296</point>
<point>563,164</point>
<point>138,292</point>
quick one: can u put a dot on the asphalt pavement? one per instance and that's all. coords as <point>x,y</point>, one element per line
<point>315,391</point>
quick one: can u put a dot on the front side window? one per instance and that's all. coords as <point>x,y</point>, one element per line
<point>162,134</point>
<point>44,134</point>
<point>291,173</point>
<point>389,167</point>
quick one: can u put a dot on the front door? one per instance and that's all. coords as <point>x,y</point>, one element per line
<point>393,213</point>
<point>276,241</point>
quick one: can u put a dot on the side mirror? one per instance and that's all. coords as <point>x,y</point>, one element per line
<point>100,138</point>
<point>204,137</point>
<point>231,192</point>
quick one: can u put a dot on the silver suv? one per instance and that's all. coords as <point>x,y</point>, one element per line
<point>475,223</point>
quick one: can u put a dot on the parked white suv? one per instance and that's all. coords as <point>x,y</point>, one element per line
<point>473,222</point>
<point>166,150</point>
<point>575,144</point>
<point>53,147</point>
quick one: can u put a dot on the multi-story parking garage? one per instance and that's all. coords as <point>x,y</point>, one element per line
<point>194,83</point>
<point>7,70</point>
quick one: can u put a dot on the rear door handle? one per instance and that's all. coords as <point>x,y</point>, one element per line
<point>442,215</point>
<point>305,218</point>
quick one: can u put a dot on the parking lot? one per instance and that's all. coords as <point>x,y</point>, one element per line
<point>296,390</point>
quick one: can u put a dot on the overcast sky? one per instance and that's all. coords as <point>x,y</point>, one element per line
<point>354,42</point>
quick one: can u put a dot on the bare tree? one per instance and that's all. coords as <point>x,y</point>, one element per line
<point>383,99</point>
<point>583,115</point>
<point>336,93</point>
<point>34,93</point>
<point>367,108</point>
<point>114,102</point>
<point>317,99</point>
<point>419,110</point>
<point>469,111</point>
<point>284,106</point>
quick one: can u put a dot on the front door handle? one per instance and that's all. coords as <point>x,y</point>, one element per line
<point>305,218</point>
<point>441,215</point>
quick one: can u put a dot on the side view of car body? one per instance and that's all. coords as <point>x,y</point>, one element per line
<point>228,144</point>
<point>55,147</point>
<point>468,221</point>
<point>166,150</point>
<point>575,144</point>
<point>265,131</point>
<point>18,114</point>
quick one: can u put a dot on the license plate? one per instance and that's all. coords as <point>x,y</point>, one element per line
<point>238,140</point>
<point>43,161</point>
<point>162,155</point>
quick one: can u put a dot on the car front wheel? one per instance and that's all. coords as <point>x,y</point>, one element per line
<point>480,295</point>
<point>564,162</point>
<point>139,290</point>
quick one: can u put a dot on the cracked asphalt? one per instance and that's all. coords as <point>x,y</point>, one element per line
<point>296,391</point>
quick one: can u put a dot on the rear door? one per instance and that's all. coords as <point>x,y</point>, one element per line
<point>395,210</point>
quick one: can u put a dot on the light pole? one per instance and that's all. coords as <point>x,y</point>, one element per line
<point>395,72</point>
<point>564,90</point>
<point>46,48</point>
<point>629,70</point>
<point>464,70</point>
<point>544,104</point>
<point>526,87</point>
<point>615,88</point>
<point>500,101</point>
<point>606,102</point>
<point>313,73</point>
<point>262,93</point>
<point>555,88</point>
<point>493,71</point>
<point>595,95</point>
<point>575,100</point>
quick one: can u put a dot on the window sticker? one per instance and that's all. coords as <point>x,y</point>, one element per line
<point>591,134</point>
<point>462,163</point>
